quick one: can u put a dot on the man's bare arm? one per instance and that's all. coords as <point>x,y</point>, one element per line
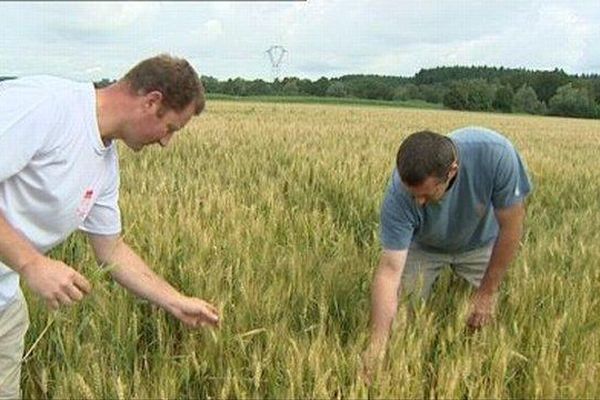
<point>510,221</point>
<point>54,281</point>
<point>384,305</point>
<point>131,272</point>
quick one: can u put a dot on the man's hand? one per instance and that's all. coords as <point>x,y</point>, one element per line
<point>55,282</point>
<point>195,312</point>
<point>371,361</point>
<point>482,311</point>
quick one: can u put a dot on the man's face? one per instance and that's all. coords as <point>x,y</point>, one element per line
<point>433,189</point>
<point>155,124</point>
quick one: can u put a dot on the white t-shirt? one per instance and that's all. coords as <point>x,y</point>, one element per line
<point>56,175</point>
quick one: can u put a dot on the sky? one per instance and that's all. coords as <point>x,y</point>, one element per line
<point>94,40</point>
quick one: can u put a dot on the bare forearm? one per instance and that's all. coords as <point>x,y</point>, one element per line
<point>131,272</point>
<point>384,303</point>
<point>504,251</point>
<point>15,251</point>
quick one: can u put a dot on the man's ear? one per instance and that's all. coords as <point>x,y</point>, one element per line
<point>153,100</point>
<point>453,170</point>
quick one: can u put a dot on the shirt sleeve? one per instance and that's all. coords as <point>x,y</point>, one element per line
<point>104,217</point>
<point>26,121</point>
<point>398,222</point>
<point>511,180</point>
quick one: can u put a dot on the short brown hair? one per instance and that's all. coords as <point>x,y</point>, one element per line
<point>174,77</point>
<point>424,154</point>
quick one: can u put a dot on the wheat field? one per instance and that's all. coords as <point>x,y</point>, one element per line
<point>271,212</point>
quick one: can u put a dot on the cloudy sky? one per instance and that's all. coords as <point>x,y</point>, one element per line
<point>88,40</point>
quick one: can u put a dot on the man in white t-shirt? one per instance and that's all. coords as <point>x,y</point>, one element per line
<point>59,173</point>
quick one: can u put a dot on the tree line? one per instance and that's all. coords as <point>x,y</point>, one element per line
<point>475,88</point>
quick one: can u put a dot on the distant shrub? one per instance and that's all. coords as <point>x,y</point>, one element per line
<point>525,100</point>
<point>473,95</point>
<point>503,99</point>
<point>573,102</point>
<point>336,89</point>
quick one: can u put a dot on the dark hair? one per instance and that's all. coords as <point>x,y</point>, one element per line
<point>174,77</point>
<point>424,154</point>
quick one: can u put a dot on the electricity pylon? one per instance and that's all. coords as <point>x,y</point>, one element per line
<point>276,54</point>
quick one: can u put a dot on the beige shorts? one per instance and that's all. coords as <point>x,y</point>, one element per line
<point>422,268</point>
<point>14,321</point>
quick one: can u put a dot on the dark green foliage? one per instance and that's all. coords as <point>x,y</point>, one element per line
<point>503,99</point>
<point>337,89</point>
<point>473,95</point>
<point>211,84</point>
<point>407,91</point>
<point>259,87</point>
<point>370,88</point>
<point>475,88</point>
<point>545,83</point>
<point>432,93</point>
<point>526,101</point>
<point>573,102</point>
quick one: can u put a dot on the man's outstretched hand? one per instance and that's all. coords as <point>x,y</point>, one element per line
<point>195,312</point>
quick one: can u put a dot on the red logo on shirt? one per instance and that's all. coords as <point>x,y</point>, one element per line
<point>85,205</point>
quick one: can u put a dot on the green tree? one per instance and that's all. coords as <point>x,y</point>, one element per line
<point>525,100</point>
<point>409,91</point>
<point>369,87</point>
<point>433,93</point>
<point>474,95</point>
<point>545,83</point>
<point>503,98</point>
<point>258,87</point>
<point>290,87</point>
<point>211,84</point>
<point>573,102</point>
<point>337,89</point>
<point>235,87</point>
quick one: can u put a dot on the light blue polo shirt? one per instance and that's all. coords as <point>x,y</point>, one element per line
<point>491,176</point>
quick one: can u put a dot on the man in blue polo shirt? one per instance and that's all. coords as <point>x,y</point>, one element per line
<point>452,200</point>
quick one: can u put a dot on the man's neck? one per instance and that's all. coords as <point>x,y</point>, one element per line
<point>110,103</point>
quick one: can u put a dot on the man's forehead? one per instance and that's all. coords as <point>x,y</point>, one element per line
<point>429,183</point>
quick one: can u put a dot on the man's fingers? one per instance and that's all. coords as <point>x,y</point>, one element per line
<point>64,299</point>
<point>212,308</point>
<point>208,312</point>
<point>82,283</point>
<point>74,293</point>
<point>208,316</point>
<point>52,304</point>
<point>195,312</point>
<point>476,321</point>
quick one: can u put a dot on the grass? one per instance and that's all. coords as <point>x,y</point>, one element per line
<point>270,211</point>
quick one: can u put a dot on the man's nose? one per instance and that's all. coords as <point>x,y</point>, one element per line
<point>164,141</point>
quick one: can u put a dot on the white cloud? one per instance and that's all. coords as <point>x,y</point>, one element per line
<point>91,18</point>
<point>323,37</point>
